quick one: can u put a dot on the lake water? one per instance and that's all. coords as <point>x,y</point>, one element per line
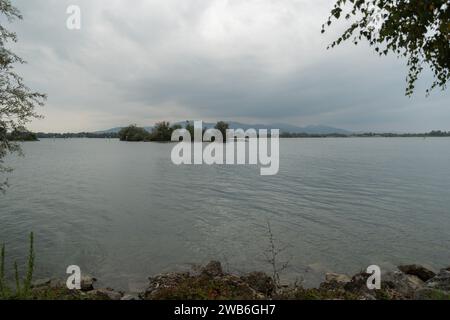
<point>123,211</point>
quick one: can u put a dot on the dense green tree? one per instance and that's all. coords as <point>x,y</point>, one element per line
<point>222,127</point>
<point>438,133</point>
<point>17,101</point>
<point>176,127</point>
<point>190,127</point>
<point>22,134</point>
<point>162,131</point>
<point>415,29</point>
<point>133,133</point>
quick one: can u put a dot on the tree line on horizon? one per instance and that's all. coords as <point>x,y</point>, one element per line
<point>147,136</point>
<point>162,131</point>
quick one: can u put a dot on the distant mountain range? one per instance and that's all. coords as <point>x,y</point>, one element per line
<point>287,128</point>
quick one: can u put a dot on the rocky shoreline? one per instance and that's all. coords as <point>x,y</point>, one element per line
<point>409,282</point>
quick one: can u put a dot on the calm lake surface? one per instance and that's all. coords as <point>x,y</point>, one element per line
<point>123,211</point>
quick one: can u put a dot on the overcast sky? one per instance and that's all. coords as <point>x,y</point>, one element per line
<point>256,61</point>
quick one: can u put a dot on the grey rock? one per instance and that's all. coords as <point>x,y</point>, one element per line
<point>403,284</point>
<point>213,269</point>
<point>41,283</point>
<point>368,296</point>
<point>136,286</point>
<point>338,282</point>
<point>336,277</point>
<point>129,297</point>
<point>87,283</point>
<point>167,280</point>
<point>260,282</point>
<point>440,281</point>
<point>107,294</point>
<point>421,272</point>
<point>57,283</point>
<point>358,284</point>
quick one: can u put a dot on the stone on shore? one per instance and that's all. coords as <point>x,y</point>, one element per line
<point>337,277</point>
<point>41,283</point>
<point>441,281</point>
<point>404,284</point>
<point>358,284</point>
<point>87,283</point>
<point>105,294</point>
<point>335,282</point>
<point>213,269</point>
<point>260,282</point>
<point>421,272</point>
<point>130,297</point>
<point>210,283</point>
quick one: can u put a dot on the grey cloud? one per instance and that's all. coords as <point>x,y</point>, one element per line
<point>262,61</point>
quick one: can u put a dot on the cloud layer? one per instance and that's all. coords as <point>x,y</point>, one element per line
<point>260,61</point>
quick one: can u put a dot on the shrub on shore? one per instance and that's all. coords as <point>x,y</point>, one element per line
<point>134,134</point>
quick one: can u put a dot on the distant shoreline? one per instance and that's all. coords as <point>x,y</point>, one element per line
<point>162,132</point>
<point>282,136</point>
